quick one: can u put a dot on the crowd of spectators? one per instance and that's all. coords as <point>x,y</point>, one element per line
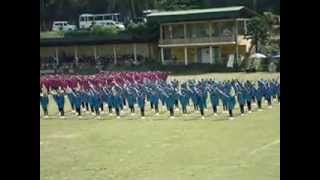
<point>68,63</point>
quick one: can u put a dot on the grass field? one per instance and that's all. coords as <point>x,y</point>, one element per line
<point>158,148</point>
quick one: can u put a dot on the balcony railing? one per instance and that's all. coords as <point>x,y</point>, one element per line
<point>222,39</point>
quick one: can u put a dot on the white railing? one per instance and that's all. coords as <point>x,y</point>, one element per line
<point>221,39</point>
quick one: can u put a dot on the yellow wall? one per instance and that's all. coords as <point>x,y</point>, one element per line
<point>192,54</point>
<point>178,52</point>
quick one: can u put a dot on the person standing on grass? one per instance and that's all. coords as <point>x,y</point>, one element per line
<point>141,102</point>
<point>131,98</point>
<point>44,100</point>
<point>214,99</point>
<point>117,101</point>
<point>170,101</point>
<point>241,97</point>
<point>95,102</point>
<point>70,98</point>
<point>201,101</point>
<point>154,99</point>
<point>58,96</point>
<point>258,95</point>
<point>183,97</point>
<point>248,97</point>
<point>110,100</point>
<point>76,95</point>
<point>268,94</point>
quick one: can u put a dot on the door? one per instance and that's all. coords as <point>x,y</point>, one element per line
<point>205,55</point>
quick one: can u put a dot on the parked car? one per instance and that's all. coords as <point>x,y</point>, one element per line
<point>62,26</point>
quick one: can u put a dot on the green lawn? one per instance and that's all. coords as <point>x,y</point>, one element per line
<point>158,148</point>
<point>51,34</point>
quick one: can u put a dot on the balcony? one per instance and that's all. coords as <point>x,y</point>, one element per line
<point>190,41</point>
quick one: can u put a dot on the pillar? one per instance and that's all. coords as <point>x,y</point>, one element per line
<point>95,52</point>
<point>114,55</point>
<point>76,55</point>
<point>185,56</point>
<point>135,51</point>
<point>211,55</point>
<point>236,40</point>
<point>57,55</point>
<point>162,55</point>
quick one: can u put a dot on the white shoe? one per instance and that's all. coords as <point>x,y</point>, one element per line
<point>98,117</point>
<point>73,111</point>
<point>80,117</point>
<point>215,114</point>
<point>260,110</point>
<point>142,117</point>
<point>202,117</point>
<point>118,117</point>
<point>46,117</point>
<point>171,117</point>
<point>270,107</point>
<point>231,118</point>
<point>61,117</point>
<point>157,114</point>
<point>249,112</point>
<point>242,115</point>
<point>92,114</point>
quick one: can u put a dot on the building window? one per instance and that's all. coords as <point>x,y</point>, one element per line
<point>198,30</point>
<point>227,29</point>
<point>214,29</point>
<point>178,31</point>
<point>166,32</point>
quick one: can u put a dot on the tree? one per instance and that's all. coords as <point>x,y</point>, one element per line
<point>259,31</point>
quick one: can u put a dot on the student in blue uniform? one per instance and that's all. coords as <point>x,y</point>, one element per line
<point>241,99</point>
<point>44,101</point>
<point>117,101</point>
<point>131,98</point>
<point>214,99</point>
<point>70,98</point>
<point>154,99</point>
<point>95,102</point>
<point>77,101</point>
<point>141,102</point>
<point>201,102</point>
<point>170,101</point>
<point>58,96</point>
<point>183,97</point>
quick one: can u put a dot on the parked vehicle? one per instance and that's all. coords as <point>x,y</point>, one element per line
<point>62,26</point>
<point>87,21</point>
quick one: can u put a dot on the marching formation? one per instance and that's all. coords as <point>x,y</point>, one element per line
<point>109,92</point>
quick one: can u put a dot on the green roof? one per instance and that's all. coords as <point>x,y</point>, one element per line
<point>201,14</point>
<point>92,40</point>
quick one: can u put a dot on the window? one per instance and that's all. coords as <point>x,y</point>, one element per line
<point>227,29</point>
<point>215,29</point>
<point>90,18</point>
<point>177,31</point>
<point>198,30</point>
<point>107,18</point>
<point>82,18</point>
<point>98,18</point>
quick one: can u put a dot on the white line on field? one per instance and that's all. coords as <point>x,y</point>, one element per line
<point>266,146</point>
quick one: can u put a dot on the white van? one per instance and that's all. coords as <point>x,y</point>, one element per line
<point>87,21</point>
<point>62,26</point>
